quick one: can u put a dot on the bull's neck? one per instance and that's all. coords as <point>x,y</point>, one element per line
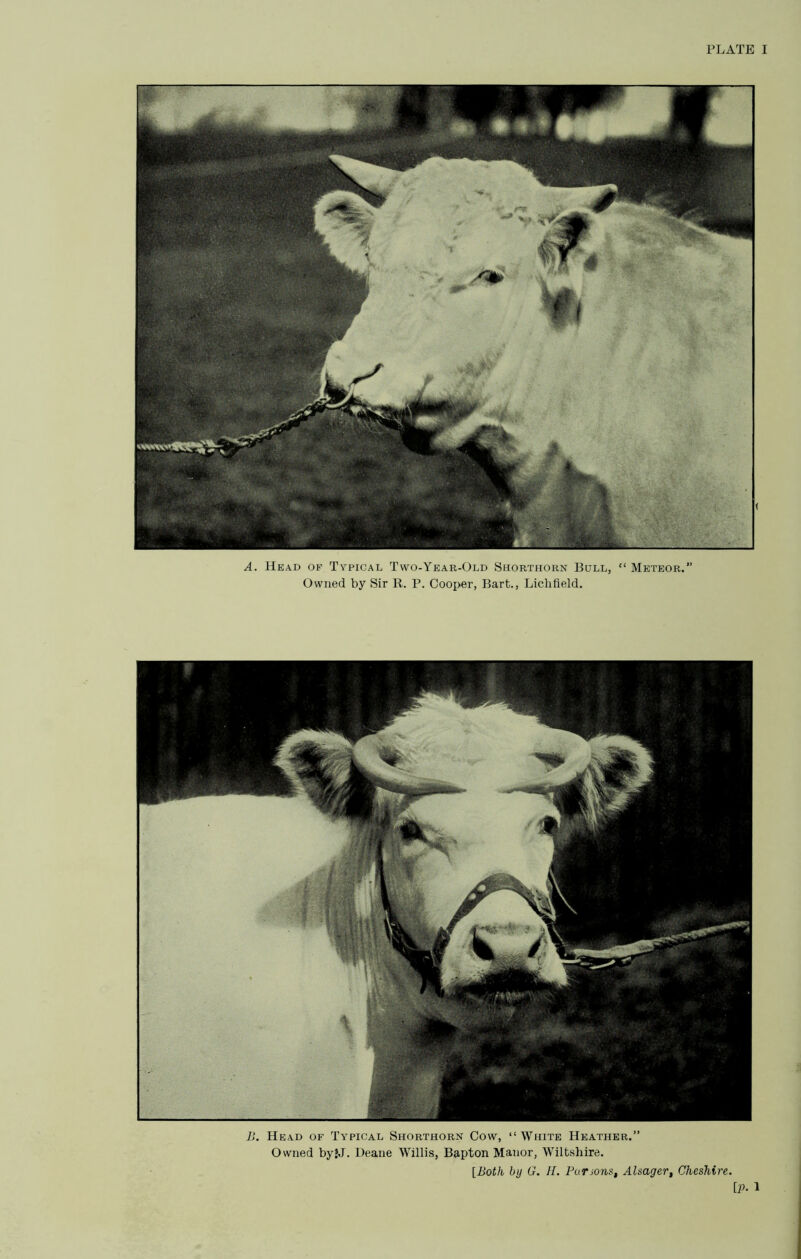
<point>540,402</point>
<point>551,503</point>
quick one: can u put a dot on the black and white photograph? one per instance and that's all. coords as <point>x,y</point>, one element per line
<point>478,890</point>
<point>444,316</point>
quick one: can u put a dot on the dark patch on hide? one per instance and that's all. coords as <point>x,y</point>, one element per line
<point>565,308</point>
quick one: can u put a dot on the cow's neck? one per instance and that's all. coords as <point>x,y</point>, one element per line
<point>397,1033</point>
<point>408,1066</point>
<point>409,1039</point>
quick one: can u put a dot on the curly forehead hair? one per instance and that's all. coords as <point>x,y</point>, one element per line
<point>438,725</point>
<point>460,187</point>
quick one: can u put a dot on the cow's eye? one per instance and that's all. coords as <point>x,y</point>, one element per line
<point>409,830</point>
<point>490,276</point>
<point>549,825</point>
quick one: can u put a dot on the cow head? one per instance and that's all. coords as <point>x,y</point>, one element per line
<point>470,266</point>
<point>449,800</point>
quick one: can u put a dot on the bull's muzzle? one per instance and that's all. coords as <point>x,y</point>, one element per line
<point>339,393</point>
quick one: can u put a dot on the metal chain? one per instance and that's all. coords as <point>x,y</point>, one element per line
<point>228,446</point>
<point>622,954</point>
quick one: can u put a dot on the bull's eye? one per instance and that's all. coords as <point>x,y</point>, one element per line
<point>549,825</point>
<point>490,276</point>
<point>409,830</point>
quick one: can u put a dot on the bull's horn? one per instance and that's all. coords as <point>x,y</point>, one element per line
<point>597,197</point>
<point>375,179</point>
<point>371,756</point>
<point>574,754</point>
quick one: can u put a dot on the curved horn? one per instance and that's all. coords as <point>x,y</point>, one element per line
<point>574,752</point>
<point>596,197</point>
<point>375,179</point>
<point>370,755</point>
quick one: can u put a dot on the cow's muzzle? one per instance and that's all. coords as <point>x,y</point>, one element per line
<point>428,962</point>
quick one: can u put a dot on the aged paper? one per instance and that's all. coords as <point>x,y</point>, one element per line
<point>82,1176</point>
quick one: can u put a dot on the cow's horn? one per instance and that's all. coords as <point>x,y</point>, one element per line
<point>597,197</point>
<point>376,179</point>
<point>574,755</point>
<point>371,756</point>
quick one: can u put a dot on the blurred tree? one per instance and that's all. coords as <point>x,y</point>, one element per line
<point>556,100</point>
<point>593,96</point>
<point>476,103</point>
<point>374,105</point>
<point>553,101</point>
<point>689,108</point>
<point>148,94</point>
<point>411,110</point>
<point>516,107</point>
<point>227,119</point>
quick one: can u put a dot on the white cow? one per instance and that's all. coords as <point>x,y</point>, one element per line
<point>312,957</point>
<point>595,359</point>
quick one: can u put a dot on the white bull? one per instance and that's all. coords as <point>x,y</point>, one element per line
<point>283,948</point>
<point>595,361</point>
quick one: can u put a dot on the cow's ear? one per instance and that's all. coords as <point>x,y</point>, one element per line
<point>344,221</point>
<point>570,240</point>
<point>319,765</point>
<point>619,767</point>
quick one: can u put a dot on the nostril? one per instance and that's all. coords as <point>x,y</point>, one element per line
<point>336,396</point>
<point>535,948</point>
<point>333,391</point>
<point>481,949</point>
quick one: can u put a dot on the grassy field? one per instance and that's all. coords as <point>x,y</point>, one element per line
<point>667,1038</point>
<point>238,302</point>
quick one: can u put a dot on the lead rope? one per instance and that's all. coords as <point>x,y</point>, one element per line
<point>228,446</point>
<point>622,954</point>
<point>427,962</point>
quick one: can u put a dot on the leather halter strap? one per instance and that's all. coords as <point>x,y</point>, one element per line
<point>427,962</point>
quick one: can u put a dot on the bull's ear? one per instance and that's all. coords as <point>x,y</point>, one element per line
<point>320,765</point>
<point>619,767</point>
<point>344,221</point>
<point>570,240</point>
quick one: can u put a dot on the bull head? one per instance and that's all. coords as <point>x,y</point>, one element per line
<point>345,220</point>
